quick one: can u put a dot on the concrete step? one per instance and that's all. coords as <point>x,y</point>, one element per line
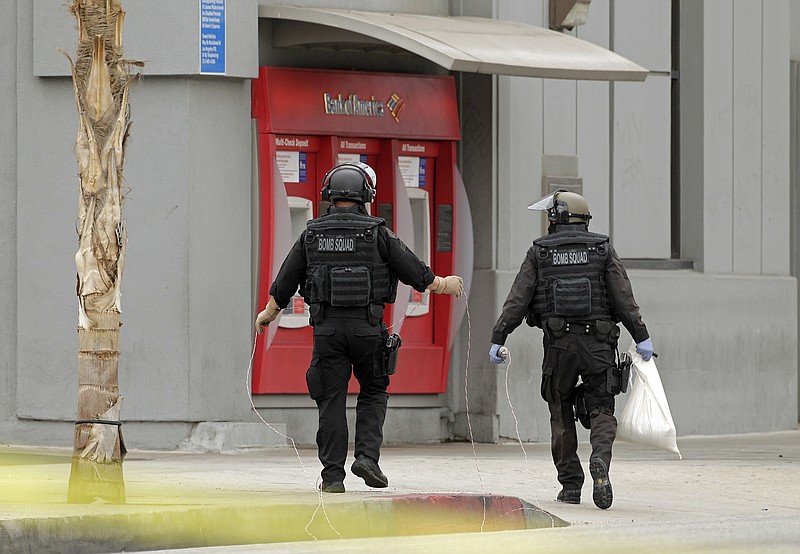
<point>233,436</point>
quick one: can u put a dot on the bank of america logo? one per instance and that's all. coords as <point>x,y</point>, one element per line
<point>395,105</point>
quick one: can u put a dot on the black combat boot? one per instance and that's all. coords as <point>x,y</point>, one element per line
<point>602,494</point>
<point>569,496</point>
<point>368,470</point>
<point>332,486</point>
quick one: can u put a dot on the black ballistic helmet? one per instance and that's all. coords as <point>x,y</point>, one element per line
<point>349,181</point>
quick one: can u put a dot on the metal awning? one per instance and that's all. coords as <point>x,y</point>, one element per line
<point>468,44</point>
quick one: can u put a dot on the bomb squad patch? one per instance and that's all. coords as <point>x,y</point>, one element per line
<point>570,257</point>
<point>336,244</point>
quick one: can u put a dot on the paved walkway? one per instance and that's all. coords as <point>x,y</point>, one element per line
<point>735,493</point>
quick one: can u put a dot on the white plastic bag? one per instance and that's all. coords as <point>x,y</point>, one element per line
<point>646,418</point>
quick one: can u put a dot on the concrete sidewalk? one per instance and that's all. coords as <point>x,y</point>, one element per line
<point>731,493</point>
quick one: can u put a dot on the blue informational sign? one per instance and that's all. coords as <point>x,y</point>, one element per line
<point>212,36</point>
<point>303,175</point>
<point>423,172</point>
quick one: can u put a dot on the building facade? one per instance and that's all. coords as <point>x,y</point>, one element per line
<point>692,172</point>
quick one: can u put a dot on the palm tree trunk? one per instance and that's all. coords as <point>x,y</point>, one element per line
<point>101,80</point>
<point>98,447</point>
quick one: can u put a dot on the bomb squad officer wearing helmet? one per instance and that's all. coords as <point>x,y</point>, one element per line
<point>347,265</point>
<point>573,286</point>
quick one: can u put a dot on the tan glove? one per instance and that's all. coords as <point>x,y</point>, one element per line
<point>452,284</point>
<point>267,316</point>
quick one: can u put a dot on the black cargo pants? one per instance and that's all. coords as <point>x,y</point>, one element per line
<point>569,354</point>
<point>347,340</point>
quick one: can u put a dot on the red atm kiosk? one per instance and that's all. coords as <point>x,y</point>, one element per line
<point>404,126</point>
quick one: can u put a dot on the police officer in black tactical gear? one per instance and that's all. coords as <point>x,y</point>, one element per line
<point>573,286</point>
<point>347,264</point>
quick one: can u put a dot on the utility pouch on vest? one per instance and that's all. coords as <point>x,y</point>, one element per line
<point>572,297</point>
<point>350,286</point>
<point>316,312</point>
<point>391,346</point>
<point>606,331</point>
<point>617,377</point>
<point>375,313</point>
<point>316,286</point>
<point>555,328</point>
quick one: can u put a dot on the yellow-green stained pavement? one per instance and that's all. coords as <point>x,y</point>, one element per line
<point>737,493</point>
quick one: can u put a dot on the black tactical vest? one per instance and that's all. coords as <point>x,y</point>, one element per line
<point>570,280</point>
<point>344,263</point>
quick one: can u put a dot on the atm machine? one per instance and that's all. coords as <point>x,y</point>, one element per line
<point>404,126</point>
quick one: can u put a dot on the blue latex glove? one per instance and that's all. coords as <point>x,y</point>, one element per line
<point>496,355</point>
<point>645,348</point>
